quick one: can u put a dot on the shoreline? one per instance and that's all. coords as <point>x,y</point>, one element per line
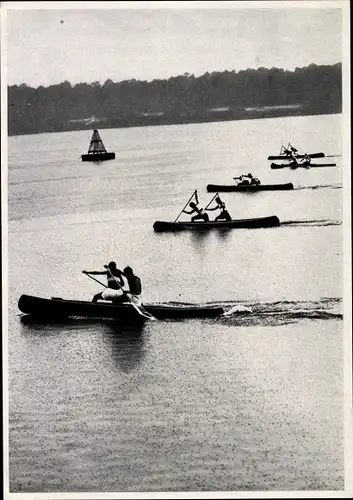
<point>148,121</point>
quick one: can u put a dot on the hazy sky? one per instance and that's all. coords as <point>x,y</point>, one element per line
<point>94,45</point>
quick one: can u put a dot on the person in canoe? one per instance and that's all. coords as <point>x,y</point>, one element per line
<point>243,180</point>
<point>253,180</point>
<point>289,150</point>
<point>247,180</point>
<point>200,214</point>
<point>115,283</point>
<point>220,205</point>
<point>292,152</point>
<point>305,161</point>
<point>294,160</point>
<point>134,282</point>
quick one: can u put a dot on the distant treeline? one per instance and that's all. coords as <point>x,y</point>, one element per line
<point>226,95</point>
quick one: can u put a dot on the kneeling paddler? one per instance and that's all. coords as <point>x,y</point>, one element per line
<point>134,283</point>
<point>115,283</point>
<point>220,205</point>
<point>200,214</point>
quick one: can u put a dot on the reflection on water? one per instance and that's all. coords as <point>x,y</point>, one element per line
<point>199,237</point>
<point>44,327</point>
<point>126,346</point>
<point>124,342</point>
<point>35,323</point>
<point>223,233</point>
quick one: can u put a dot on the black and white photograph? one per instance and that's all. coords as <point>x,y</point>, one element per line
<point>176,256</point>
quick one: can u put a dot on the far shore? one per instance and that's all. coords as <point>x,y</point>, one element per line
<point>159,119</point>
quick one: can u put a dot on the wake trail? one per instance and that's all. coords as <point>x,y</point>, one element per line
<point>247,313</point>
<point>319,186</point>
<point>311,223</point>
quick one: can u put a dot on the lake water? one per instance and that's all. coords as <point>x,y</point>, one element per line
<point>245,402</point>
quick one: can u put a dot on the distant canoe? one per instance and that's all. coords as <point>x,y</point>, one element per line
<point>294,167</point>
<point>261,222</point>
<point>215,188</point>
<point>97,151</point>
<point>288,157</point>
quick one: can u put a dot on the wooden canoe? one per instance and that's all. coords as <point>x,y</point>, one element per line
<point>260,222</point>
<point>288,157</point>
<point>56,308</point>
<point>215,188</point>
<point>294,167</point>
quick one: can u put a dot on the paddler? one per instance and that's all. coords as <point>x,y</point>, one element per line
<point>244,179</point>
<point>115,282</point>
<point>134,283</point>
<point>253,180</point>
<point>305,161</point>
<point>247,179</point>
<point>294,161</point>
<point>200,214</point>
<point>290,150</point>
<point>220,205</point>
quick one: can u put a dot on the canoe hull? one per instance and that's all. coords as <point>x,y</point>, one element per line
<point>217,188</point>
<point>261,222</point>
<point>294,167</point>
<point>56,308</point>
<point>287,157</point>
<point>98,156</point>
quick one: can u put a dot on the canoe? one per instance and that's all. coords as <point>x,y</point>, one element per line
<point>294,167</point>
<point>288,157</point>
<point>271,221</point>
<point>57,308</point>
<point>215,188</point>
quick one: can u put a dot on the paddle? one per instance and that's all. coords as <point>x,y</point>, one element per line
<point>138,307</point>
<point>217,194</point>
<point>87,274</point>
<point>186,204</point>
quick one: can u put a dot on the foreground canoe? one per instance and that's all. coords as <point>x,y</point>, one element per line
<point>271,221</point>
<point>215,188</point>
<point>294,167</point>
<point>288,157</point>
<point>56,308</point>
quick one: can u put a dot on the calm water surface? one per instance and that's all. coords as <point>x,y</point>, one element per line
<point>244,402</point>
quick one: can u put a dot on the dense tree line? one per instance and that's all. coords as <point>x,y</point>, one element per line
<point>180,99</point>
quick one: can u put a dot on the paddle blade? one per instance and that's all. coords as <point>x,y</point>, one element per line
<point>136,303</point>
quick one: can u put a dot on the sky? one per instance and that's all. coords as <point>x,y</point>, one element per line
<point>142,41</point>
